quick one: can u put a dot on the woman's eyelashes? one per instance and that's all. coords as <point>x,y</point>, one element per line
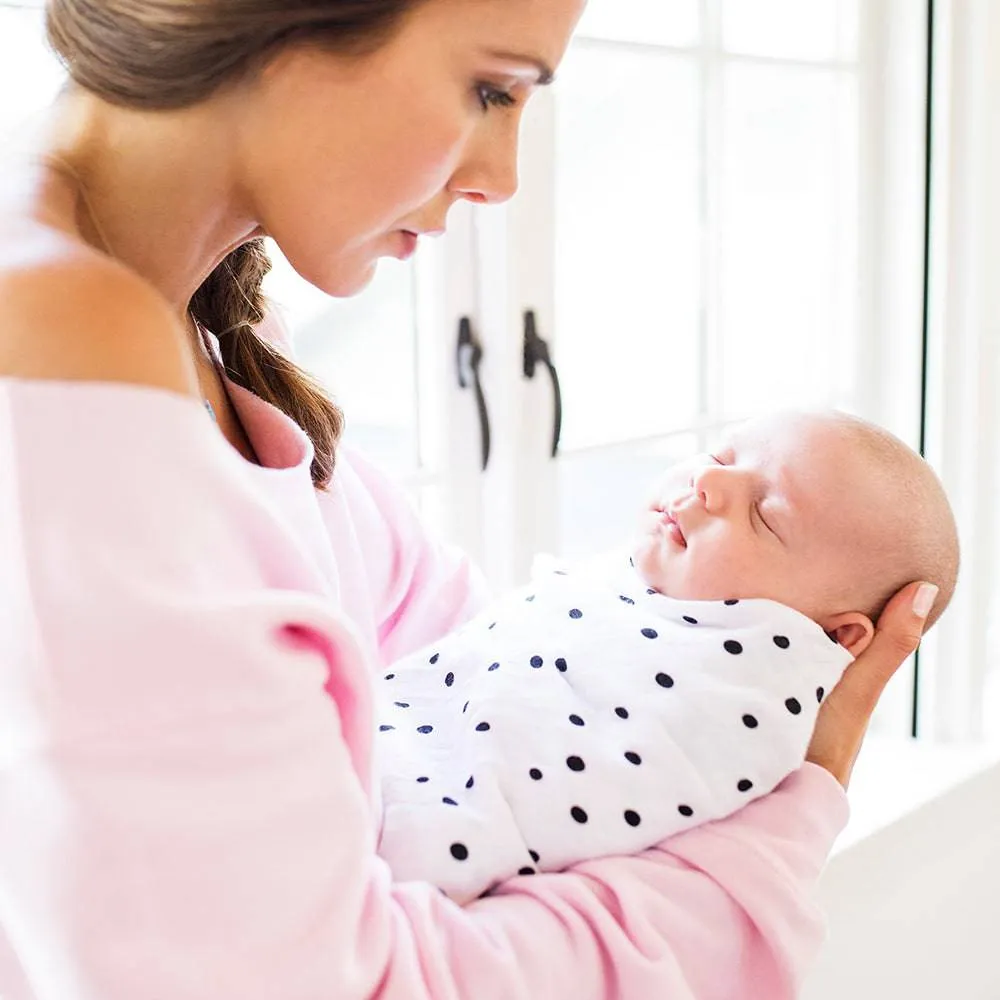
<point>491,96</point>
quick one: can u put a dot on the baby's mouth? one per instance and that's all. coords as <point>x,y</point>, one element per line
<point>669,523</point>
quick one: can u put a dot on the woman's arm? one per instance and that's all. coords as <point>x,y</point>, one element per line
<point>181,812</point>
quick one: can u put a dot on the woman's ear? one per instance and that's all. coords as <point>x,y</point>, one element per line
<point>853,630</point>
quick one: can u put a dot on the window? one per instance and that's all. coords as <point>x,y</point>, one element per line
<point>721,212</point>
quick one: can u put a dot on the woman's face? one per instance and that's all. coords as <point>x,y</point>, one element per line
<point>344,158</point>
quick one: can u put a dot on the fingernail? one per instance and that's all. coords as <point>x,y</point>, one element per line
<point>924,600</point>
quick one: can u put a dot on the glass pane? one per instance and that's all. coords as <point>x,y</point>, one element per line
<point>627,237</point>
<point>600,494</point>
<point>30,75</point>
<point>364,350</point>
<point>788,254</point>
<point>655,22</point>
<point>791,29</point>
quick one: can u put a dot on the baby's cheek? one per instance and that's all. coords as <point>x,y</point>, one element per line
<point>650,563</point>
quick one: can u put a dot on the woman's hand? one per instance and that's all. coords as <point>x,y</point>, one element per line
<point>844,716</point>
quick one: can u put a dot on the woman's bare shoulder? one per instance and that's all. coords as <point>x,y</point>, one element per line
<point>69,312</point>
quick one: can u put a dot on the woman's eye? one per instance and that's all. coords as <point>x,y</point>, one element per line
<point>490,96</point>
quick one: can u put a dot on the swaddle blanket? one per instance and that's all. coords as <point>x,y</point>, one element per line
<point>587,715</point>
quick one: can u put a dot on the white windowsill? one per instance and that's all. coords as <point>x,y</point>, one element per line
<point>894,778</point>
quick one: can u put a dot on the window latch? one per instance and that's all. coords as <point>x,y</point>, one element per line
<point>468,357</point>
<point>536,351</point>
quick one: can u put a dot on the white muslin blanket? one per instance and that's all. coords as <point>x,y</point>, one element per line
<point>586,715</point>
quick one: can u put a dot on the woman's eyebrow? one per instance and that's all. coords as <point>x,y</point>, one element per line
<point>545,73</point>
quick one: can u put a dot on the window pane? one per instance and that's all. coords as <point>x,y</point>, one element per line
<point>788,310</point>
<point>655,22</point>
<point>791,29</point>
<point>364,350</point>
<point>601,493</point>
<point>627,237</point>
<point>30,75</point>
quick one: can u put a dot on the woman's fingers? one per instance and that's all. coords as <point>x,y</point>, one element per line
<point>844,716</point>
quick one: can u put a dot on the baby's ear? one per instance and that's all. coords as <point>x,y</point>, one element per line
<point>853,630</point>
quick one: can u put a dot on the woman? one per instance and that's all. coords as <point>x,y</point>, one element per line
<point>191,610</point>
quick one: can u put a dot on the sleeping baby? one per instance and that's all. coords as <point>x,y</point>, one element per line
<point>613,703</point>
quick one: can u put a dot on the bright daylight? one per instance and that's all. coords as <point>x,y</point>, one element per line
<point>511,586</point>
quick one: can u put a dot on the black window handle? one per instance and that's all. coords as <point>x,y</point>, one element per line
<point>468,356</point>
<point>537,350</point>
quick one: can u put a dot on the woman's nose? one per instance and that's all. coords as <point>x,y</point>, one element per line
<point>488,176</point>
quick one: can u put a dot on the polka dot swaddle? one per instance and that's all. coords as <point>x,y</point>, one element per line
<point>584,716</point>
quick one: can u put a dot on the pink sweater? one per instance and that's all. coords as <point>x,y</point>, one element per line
<point>186,804</point>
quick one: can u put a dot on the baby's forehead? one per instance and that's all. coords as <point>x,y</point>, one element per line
<point>818,465</point>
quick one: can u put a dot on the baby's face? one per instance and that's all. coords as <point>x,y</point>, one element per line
<point>783,509</point>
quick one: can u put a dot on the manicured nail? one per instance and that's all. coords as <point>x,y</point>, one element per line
<point>924,600</point>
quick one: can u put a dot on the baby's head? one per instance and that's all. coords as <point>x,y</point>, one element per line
<point>823,512</point>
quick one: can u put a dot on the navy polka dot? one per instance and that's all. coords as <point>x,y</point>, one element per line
<point>793,706</point>
<point>561,665</point>
<point>632,817</point>
<point>536,661</point>
<point>526,871</point>
<point>649,633</point>
<point>631,561</point>
<point>731,602</point>
<point>665,680</point>
<point>576,720</point>
<point>627,600</point>
<point>632,757</point>
<point>449,679</point>
<point>425,729</point>
<point>732,646</point>
<point>534,856</point>
<point>685,810</point>
<point>575,764</point>
<point>465,708</point>
<point>389,677</point>
<point>434,658</point>
<point>470,782</point>
<point>482,727</point>
<point>690,620</point>
<point>494,666</point>
<point>423,780</point>
<point>750,722</point>
<point>459,852</point>
<point>819,694</point>
<point>622,713</point>
<point>649,590</point>
<point>530,598</point>
<point>401,704</point>
<point>578,814</point>
<point>536,775</point>
<point>744,785</point>
<point>781,641</point>
<point>449,802</point>
<point>385,729</point>
<point>493,625</point>
<point>576,613</point>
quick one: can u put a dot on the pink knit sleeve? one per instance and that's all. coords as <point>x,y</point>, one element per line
<point>184,739</point>
<point>426,586</point>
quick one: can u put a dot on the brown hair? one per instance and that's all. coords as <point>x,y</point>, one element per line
<point>163,54</point>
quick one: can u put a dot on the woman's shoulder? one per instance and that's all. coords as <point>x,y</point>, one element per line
<point>68,312</point>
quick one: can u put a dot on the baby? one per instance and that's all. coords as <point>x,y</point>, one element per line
<point>614,703</point>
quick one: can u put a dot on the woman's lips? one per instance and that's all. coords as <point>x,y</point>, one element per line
<point>407,244</point>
